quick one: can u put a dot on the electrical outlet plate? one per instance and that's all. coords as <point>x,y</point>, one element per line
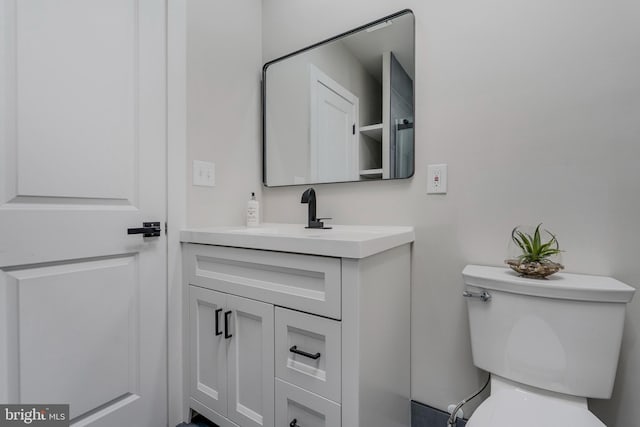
<point>437,179</point>
<point>204,173</point>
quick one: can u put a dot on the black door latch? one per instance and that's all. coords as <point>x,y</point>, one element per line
<point>149,229</point>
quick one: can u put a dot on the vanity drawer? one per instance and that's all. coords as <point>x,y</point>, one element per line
<point>304,282</point>
<point>296,406</point>
<point>308,352</point>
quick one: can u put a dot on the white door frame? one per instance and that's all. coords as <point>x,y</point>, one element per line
<point>176,202</point>
<point>316,75</point>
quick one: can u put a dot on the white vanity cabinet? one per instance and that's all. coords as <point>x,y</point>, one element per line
<point>231,351</point>
<point>313,335</point>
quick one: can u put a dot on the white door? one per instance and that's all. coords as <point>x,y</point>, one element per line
<point>208,348</point>
<point>82,159</point>
<point>334,149</point>
<point>251,363</point>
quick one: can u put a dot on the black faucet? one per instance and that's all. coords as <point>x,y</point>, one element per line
<point>309,197</point>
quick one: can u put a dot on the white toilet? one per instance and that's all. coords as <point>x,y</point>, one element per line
<point>548,344</point>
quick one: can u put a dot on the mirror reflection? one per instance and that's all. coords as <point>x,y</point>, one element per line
<point>342,110</point>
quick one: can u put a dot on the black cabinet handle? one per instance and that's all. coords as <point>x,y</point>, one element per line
<point>294,423</point>
<point>295,350</point>
<point>218,331</point>
<point>227,320</point>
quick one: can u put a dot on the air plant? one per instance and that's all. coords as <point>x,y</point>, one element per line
<point>535,259</point>
<point>533,250</point>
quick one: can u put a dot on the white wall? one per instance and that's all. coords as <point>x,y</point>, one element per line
<point>535,106</point>
<point>223,107</point>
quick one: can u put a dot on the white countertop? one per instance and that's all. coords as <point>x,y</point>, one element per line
<point>344,241</point>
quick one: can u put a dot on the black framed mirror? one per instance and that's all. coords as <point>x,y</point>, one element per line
<point>342,109</point>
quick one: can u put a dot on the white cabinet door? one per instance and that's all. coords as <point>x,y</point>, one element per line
<point>251,363</point>
<point>208,348</point>
<point>83,158</point>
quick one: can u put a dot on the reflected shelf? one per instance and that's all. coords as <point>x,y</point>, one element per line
<point>371,173</point>
<point>373,131</point>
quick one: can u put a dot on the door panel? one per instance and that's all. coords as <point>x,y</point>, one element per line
<point>208,370</point>
<point>251,363</point>
<point>83,158</point>
<point>97,54</point>
<point>87,352</point>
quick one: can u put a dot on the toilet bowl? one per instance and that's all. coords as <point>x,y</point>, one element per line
<point>513,404</point>
<point>548,345</point>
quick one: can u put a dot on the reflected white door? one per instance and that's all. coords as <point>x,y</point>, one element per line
<point>83,158</point>
<point>334,150</point>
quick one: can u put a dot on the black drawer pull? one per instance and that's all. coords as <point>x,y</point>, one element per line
<point>294,423</point>
<point>295,350</point>
<point>218,331</point>
<point>227,320</point>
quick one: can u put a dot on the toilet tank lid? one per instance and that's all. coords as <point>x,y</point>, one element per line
<point>579,287</point>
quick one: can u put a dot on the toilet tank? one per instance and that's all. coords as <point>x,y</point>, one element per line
<point>561,334</point>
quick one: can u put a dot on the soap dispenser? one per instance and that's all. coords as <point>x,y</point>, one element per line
<point>253,211</point>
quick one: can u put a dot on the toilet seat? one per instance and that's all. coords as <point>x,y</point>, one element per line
<point>512,404</point>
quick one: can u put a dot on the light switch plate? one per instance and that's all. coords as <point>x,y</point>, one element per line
<point>437,179</point>
<point>204,173</point>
